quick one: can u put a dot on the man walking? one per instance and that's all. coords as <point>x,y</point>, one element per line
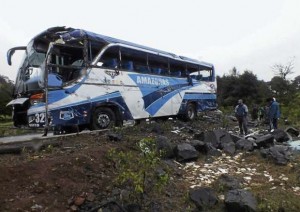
<point>241,111</point>
<point>274,113</point>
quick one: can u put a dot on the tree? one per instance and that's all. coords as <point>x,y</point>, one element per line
<point>282,88</point>
<point>296,83</point>
<point>284,70</point>
<point>233,71</point>
<point>245,86</point>
<point>6,87</point>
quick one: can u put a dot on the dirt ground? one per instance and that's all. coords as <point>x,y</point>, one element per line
<point>47,180</point>
<point>61,178</point>
<point>78,175</point>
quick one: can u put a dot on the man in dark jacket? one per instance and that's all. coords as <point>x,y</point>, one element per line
<point>274,113</point>
<point>241,111</point>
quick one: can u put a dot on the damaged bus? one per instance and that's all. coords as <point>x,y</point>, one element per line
<point>72,77</point>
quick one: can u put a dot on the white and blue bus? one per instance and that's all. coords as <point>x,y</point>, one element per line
<point>71,77</point>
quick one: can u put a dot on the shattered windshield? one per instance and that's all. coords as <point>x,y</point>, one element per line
<point>36,59</point>
<point>34,56</point>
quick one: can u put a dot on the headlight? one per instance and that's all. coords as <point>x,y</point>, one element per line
<point>37,98</point>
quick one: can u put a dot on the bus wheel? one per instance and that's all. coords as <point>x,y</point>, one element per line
<point>103,118</point>
<point>190,113</point>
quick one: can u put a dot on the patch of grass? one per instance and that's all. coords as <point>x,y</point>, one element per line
<point>7,129</point>
<point>277,194</point>
<point>276,200</point>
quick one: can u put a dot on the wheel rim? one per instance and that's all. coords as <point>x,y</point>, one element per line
<point>103,120</point>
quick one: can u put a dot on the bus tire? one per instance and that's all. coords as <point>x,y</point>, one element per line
<point>190,112</point>
<point>103,118</point>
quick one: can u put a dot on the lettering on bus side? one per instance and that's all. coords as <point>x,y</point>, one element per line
<point>152,81</point>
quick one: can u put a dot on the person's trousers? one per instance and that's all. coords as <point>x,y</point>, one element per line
<point>273,124</point>
<point>243,125</point>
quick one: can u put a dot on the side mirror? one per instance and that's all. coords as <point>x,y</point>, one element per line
<point>11,51</point>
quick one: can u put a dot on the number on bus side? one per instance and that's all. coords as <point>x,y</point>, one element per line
<point>39,117</point>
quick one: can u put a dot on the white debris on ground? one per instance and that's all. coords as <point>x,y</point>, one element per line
<point>199,174</point>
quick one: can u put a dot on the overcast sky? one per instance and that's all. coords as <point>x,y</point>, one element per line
<point>248,34</point>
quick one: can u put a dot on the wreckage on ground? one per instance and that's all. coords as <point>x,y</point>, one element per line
<point>71,77</point>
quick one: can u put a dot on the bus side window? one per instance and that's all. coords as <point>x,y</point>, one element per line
<point>176,73</point>
<point>158,64</point>
<point>164,72</point>
<point>110,63</point>
<point>199,77</point>
<point>206,75</point>
<point>134,60</point>
<point>142,69</point>
<point>186,73</point>
<point>156,70</point>
<point>127,65</point>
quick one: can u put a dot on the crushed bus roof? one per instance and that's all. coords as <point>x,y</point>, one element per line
<point>69,34</point>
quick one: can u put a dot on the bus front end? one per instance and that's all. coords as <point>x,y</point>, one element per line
<point>44,74</point>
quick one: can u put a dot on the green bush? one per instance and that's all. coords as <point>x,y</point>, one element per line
<point>291,111</point>
<point>140,171</point>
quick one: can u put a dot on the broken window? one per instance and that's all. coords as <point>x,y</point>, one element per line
<point>204,74</point>
<point>110,59</point>
<point>158,64</point>
<point>177,68</point>
<point>67,62</point>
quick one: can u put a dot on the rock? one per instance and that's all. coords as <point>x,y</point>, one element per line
<point>278,153</point>
<point>217,137</point>
<point>265,141</point>
<point>229,182</point>
<point>244,144</point>
<point>199,145</point>
<point>157,129</point>
<point>292,131</point>
<point>228,148</point>
<point>186,152</point>
<point>199,136</point>
<point>235,137</point>
<point>114,137</point>
<point>163,144</point>
<point>211,150</point>
<point>280,135</point>
<point>240,200</point>
<point>204,198</point>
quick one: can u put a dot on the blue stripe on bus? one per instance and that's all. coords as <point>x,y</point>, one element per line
<point>190,96</point>
<point>156,105</point>
<point>93,100</point>
<point>152,97</point>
